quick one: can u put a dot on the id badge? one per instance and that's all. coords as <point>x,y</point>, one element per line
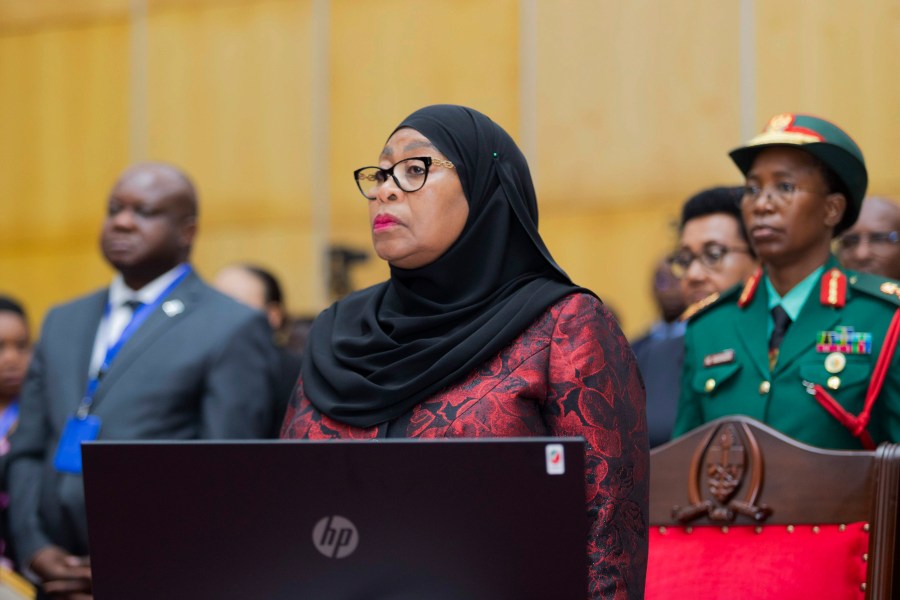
<point>68,453</point>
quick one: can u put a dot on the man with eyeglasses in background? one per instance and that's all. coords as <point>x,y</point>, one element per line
<point>872,245</point>
<point>713,254</point>
<point>805,345</point>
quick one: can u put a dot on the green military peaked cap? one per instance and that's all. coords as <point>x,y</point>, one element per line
<point>824,140</point>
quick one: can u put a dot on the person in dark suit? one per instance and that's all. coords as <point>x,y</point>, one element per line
<point>658,353</point>
<point>157,355</point>
<point>258,288</point>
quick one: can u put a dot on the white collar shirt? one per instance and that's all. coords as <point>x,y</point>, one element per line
<point>112,326</point>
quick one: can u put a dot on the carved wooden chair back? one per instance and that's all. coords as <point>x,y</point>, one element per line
<point>738,510</point>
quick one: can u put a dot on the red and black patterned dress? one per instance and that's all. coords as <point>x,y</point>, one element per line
<point>570,373</point>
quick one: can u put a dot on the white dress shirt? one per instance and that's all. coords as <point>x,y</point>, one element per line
<point>112,325</point>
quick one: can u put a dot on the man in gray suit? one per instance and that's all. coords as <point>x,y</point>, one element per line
<point>157,355</point>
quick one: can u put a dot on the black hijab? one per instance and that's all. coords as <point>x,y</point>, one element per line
<point>375,354</point>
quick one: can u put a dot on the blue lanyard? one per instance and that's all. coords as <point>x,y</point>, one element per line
<point>8,418</point>
<point>140,315</point>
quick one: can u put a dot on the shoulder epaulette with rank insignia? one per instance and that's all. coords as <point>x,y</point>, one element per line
<point>833,288</point>
<point>750,288</point>
<point>698,306</point>
<point>713,299</point>
<point>876,286</point>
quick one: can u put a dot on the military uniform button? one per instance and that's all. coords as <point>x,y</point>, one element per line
<point>834,382</point>
<point>764,387</point>
<point>710,385</point>
<point>835,362</point>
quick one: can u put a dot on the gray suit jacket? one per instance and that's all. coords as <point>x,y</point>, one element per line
<point>207,372</point>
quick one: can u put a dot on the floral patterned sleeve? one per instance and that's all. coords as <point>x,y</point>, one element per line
<point>595,390</point>
<point>572,373</point>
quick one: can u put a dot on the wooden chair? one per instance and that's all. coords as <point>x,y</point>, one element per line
<point>738,510</point>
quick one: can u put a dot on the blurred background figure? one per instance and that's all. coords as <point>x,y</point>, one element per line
<point>714,252</point>
<point>15,352</point>
<point>670,302</point>
<point>258,288</point>
<point>155,354</point>
<point>872,245</point>
<point>659,353</point>
<point>713,255</point>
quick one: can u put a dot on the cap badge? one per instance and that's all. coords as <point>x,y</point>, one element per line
<point>780,122</point>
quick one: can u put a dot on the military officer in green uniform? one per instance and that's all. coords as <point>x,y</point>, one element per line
<point>804,345</point>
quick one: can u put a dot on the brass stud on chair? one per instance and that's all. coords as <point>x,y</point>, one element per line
<point>689,530</point>
<point>662,530</point>
<point>724,529</point>
<point>842,527</point>
<point>866,557</point>
<point>790,529</point>
<point>758,530</point>
<point>862,586</point>
<point>866,527</point>
<point>815,529</point>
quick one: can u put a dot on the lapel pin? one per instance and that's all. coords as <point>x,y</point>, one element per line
<point>173,307</point>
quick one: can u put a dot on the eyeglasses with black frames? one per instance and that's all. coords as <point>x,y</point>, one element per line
<point>409,174</point>
<point>711,258</point>
<point>781,194</point>
<point>874,239</point>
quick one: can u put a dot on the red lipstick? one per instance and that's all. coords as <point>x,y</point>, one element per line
<point>383,222</point>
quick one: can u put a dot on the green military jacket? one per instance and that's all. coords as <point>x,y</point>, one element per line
<point>726,364</point>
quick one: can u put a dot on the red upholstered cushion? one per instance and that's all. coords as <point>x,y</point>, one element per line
<point>777,563</point>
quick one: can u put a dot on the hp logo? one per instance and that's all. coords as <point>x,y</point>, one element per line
<point>335,536</point>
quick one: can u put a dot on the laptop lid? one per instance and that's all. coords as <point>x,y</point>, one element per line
<point>344,520</point>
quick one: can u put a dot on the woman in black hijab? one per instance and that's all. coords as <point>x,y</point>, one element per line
<point>478,332</point>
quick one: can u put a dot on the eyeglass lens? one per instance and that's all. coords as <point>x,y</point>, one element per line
<point>780,193</point>
<point>409,175</point>
<point>874,238</point>
<point>710,257</point>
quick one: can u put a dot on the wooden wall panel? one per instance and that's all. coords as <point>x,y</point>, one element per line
<point>229,101</point>
<point>838,59</point>
<point>63,101</point>
<point>636,105</point>
<point>393,57</point>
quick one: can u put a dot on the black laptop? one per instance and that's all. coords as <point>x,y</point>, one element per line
<point>351,520</point>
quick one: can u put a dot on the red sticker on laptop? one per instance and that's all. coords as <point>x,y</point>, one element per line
<point>556,459</point>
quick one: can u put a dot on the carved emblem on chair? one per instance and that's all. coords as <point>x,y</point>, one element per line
<point>726,465</point>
